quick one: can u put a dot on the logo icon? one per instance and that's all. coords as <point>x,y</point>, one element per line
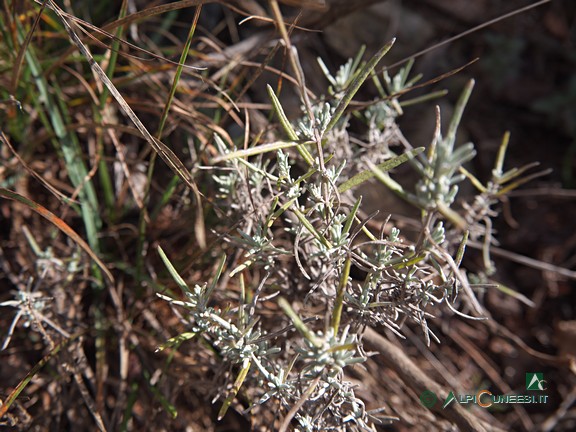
<point>449,399</point>
<point>535,381</point>
<point>428,398</point>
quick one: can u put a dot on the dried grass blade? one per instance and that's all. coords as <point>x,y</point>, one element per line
<point>59,195</point>
<point>163,151</point>
<point>5,406</point>
<point>60,224</point>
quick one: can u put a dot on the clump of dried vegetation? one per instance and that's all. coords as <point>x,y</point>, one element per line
<point>237,278</point>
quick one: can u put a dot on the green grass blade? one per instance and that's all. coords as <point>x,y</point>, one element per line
<point>170,408</point>
<point>175,275</point>
<point>67,142</point>
<point>159,147</point>
<point>103,173</point>
<point>298,323</point>
<point>499,165</point>
<point>352,216</point>
<point>384,166</point>
<point>393,185</point>
<point>357,83</point>
<point>457,116</point>
<point>339,303</point>
<point>178,73</point>
<point>252,151</point>
<point>219,271</point>
<point>287,126</point>
<point>235,388</point>
<point>176,341</point>
<point>302,218</point>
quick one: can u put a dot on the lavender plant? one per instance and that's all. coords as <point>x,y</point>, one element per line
<point>299,235</point>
